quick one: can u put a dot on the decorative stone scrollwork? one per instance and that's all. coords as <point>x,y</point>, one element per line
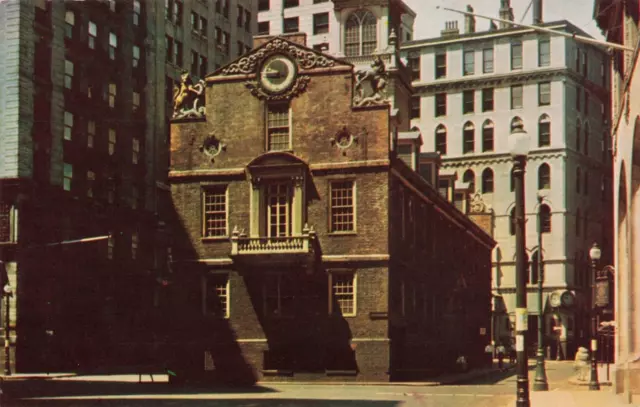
<point>344,139</point>
<point>304,58</point>
<point>212,146</point>
<point>370,87</point>
<point>188,99</point>
<point>299,86</point>
<point>477,204</point>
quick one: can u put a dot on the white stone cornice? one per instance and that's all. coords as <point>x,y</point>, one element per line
<point>501,158</point>
<point>493,80</point>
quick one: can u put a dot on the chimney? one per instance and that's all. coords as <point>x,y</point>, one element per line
<point>537,11</point>
<point>506,13</point>
<point>450,29</point>
<point>469,21</point>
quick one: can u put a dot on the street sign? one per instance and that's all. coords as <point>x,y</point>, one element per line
<point>602,293</point>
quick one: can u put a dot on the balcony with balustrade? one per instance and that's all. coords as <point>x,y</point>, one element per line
<point>269,248</point>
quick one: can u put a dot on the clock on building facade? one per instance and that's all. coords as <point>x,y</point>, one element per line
<point>277,74</point>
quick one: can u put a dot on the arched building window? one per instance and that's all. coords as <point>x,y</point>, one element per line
<point>578,179</point>
<point>470,178</point>
<point>586,139</point>
<point>515,122</point>
<point>545,218</point>
<point>535,267</point>
<point>544,176</point>
<point>441,140</point>
<point>578,220</point>
<point>487,181</point>
<point>360,34</point>
<point>512,181</point>
<point>544,131</point>
<point>578,134</point>
<point>585,183</point>
<point>487,136</point>
<point>468,138</point>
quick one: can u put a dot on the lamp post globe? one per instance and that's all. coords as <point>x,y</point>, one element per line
<point>519,148</point>
<point>519,142</point>
<point>595,252</point>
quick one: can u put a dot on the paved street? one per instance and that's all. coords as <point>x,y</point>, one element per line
<point>497,389</point>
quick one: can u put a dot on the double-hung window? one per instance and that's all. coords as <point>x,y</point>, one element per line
<point>68,125</point>
<point>441,64</point>
<point>68,74</point>
<point>487,60</point>
<point>469,62</point>
<point>441,104</point>
<point>487,99</point>
<point>214,211</point>
<point>113,45</point>
<point>516,54</point>
<point>215,295</point>
<point>544,93</point>
<point>279,295</point>
<point>343,293</point>
<point>278,127</point>
<point>343,206</point>
<point>278,203</point>
<point>93,35</point>
<point>544,52</point>
<point>516,97</point>
<point>468,101</point>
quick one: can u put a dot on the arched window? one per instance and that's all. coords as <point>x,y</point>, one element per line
<point>585,183</point>
<point>544,176</point>
<point>441,140</point>
<point>468,138</point>
<point>360,34</point>
<point>535,267</point>
<point>545,218</point>
<point>586,139</point>
<point>487,181</point>
<point>578,179</point>
<point>470,178</point>
<point>515,122</point>
<point>487,136</point>
<point>512,222</point>
<point>578,220</point>
<point>544,131</point>
<point>585,224</point>
<point>578,134</point>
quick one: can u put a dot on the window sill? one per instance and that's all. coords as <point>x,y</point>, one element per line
<point>215,238</point>
<point>350,233</point>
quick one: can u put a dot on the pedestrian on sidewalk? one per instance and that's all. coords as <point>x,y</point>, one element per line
<point>501,351</point>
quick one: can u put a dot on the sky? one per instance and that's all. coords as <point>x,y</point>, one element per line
<point>430,21</point>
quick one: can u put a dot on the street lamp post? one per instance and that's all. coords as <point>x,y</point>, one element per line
<point>519,149</point>
<point>594,254</point>
<point>540,381</point>
<point>7,334</point>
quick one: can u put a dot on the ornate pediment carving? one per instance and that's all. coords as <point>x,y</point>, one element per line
<point>304,57</point>
<point>299,86</point>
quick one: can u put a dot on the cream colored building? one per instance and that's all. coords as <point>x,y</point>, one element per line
<point>470,89</point>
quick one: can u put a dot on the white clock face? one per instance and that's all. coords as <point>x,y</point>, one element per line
<point>277,74</point>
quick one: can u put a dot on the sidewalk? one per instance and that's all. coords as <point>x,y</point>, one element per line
<point>576,398</point>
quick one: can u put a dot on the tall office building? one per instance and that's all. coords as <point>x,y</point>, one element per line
<point>471,89</point>
<point>84,107</point>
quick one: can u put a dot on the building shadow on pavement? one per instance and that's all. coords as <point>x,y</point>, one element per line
<point>245,402</point>
<point>45,388</point>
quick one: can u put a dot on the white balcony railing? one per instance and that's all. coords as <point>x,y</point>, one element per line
<point>242,244</point>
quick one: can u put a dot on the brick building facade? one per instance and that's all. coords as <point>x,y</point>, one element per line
<point>303,247</point>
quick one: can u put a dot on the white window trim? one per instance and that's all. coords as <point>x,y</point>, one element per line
<point>205,311</point>
<point>355,205</point>
<point>203,192</point>
<point>267,140</point>
<point>355,292</point>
